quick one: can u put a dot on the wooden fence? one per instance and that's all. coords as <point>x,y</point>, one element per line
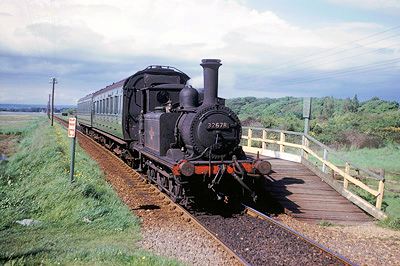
<point>302,148</point>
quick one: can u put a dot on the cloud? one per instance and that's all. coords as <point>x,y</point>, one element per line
<point>157,28</point>
<point>89,44</point>
<point>369,4</point>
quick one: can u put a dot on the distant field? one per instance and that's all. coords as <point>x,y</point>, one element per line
<point>16,124</point>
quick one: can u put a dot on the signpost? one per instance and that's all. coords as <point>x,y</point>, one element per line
<point>307,114</point>
<point>71,134</point>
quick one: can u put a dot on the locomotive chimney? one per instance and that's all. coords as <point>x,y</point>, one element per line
<point>210,69</point>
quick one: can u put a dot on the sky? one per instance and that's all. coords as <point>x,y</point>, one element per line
<point>275,48</point>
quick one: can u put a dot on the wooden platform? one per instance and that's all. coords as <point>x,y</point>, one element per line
<point>304,196</point>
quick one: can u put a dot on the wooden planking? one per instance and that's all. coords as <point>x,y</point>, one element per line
<point>307,198</point>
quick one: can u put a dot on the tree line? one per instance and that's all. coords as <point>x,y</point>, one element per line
<point>343,123</point>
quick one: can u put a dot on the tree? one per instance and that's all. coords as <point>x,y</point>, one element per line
<point>355,104</point>
<point>347,105</point>
<point>327,110</point>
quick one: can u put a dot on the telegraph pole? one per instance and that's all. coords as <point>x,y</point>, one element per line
<point>48,107</point>
<point>54,81</point>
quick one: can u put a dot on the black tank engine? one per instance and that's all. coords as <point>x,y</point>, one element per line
<point>187,141</point>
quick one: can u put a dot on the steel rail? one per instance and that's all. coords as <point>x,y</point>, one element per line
<point>188,217</point>
<point>252,212</point>
<point>185,215</point>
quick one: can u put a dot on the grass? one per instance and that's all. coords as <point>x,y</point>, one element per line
<point>386,157</point>
<point>325,223</point>
<point>374,159</point>
<point>83,223</point>
<point>17,124</point>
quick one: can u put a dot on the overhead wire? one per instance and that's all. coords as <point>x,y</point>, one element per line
<point>258,75</point>
<point>342,59</point>
<point>288,63</point>
<point>387,64</point>
<point>342,45</point>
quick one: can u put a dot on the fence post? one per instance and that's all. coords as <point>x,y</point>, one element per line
<point>283,139</point>
<point>305,143</point>
<point>264,136</point>
<point>325,158</point>
<point>249,135</point>
<point>347,171</point>
<point>381,187</point>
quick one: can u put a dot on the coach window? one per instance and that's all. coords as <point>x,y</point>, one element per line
<point>111,106</point>
<point>120,104</point>
<point>116,105</point>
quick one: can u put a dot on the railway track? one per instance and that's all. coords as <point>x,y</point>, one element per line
<point>143,198</point>
<point>247,236</point>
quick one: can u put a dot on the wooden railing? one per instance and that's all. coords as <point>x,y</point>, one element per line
<point>303,148</point>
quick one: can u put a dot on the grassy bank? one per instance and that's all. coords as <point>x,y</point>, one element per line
<point>83,223</point>
<point>387,158</point>
<point>374,160</point>
<point>18,124</point>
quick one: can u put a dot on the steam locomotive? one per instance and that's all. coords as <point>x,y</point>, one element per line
<point>185,140</point>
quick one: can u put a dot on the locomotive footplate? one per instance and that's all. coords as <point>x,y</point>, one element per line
<point>239,170</point>
<point>175,177</point>
<point>251,167</point>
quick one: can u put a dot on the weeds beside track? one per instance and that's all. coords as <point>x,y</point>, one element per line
<point>80,223</point>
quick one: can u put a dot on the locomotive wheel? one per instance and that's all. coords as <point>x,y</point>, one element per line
<point>161,182</point>
<point>174,190</point>
<point>151,175</point>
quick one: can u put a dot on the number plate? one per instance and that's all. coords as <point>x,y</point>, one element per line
<point>218,125</point>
